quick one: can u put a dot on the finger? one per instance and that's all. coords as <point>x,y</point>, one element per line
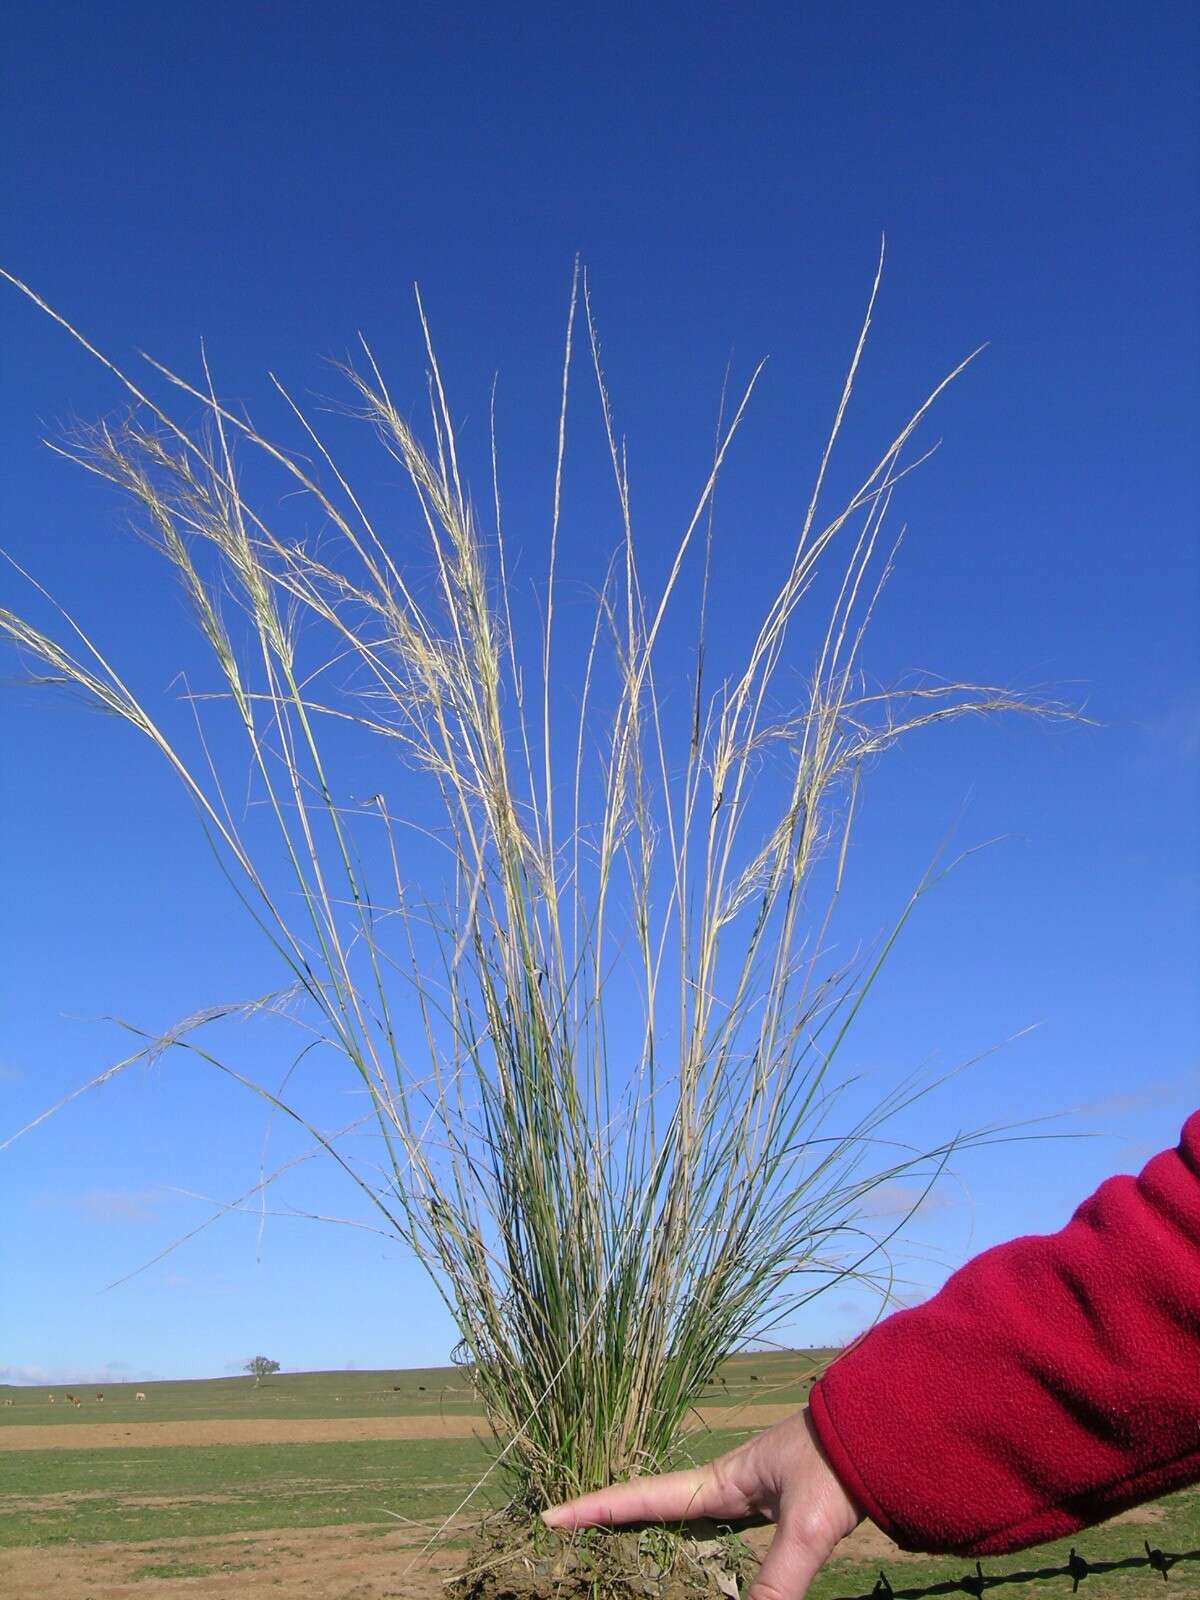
<point>788,1567</point>
<point>673,1497</point>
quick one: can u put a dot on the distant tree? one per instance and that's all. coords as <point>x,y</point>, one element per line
<point>261,1367</point>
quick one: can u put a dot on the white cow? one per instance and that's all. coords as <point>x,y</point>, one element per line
<point>139,1395</point>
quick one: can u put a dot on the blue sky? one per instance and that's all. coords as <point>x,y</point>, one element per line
<point>277,181</point>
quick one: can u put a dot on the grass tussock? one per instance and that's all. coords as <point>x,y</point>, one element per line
<point>595,1021</point>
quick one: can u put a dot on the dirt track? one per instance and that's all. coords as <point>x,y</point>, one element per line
<point>350,1563</point>
<point>316,1430</point>
<point>355,1562</point>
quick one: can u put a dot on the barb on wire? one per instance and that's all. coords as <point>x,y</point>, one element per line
<point>1077,1568</point>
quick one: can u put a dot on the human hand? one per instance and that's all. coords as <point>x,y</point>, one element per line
<point>779,1476</point>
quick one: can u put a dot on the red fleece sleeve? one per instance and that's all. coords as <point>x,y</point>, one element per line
<point>1052,1382</point>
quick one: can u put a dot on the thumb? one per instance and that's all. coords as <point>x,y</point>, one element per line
<point>789,1566</point>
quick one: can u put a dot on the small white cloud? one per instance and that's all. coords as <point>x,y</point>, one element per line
<point>206,1284</point>
<point>120,1205</point>
<point>60,1377</point>
<point>1126,1101</point>
<point>1175,731</point>
<point>24,1375</point>
<point>908,1299</point>
<point>898,1197</point>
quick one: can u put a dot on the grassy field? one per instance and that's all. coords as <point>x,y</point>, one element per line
<point>163,1498</point>
<point>50,1497</point>
<point>295,1395</point>
<point>1172,1524</point>
<point>778,1378</point>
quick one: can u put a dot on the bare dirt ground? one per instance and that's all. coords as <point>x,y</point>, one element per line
<point>238,1430</point>
<point>310,1430</point>
<point>352,1562</point>
<point>355,1562</point>
<point>348,1563</point>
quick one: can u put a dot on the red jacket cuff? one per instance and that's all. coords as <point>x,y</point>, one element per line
<point>1050,1383</point>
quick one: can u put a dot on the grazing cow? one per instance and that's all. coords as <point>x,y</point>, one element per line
<point>71,1400</point>
<point>100,1399</point>
<point>50,1398</point>
<point>139,1395</point>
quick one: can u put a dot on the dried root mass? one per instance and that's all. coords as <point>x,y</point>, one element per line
<point>512,1561</point>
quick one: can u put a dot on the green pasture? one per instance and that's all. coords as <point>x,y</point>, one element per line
<point>53,1497</point>
<point>1175,1528</point>
<point>166,1494</point>
<point>780,1377</point>
<point>299,1395</point>
<point>161,1495</point>
<point>175,1493</point>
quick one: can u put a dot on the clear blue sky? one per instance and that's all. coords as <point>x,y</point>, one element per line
<point>273,179</point>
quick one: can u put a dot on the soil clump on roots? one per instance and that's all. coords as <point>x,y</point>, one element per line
<point>514,1560</point>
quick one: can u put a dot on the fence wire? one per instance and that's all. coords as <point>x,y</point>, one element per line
<point>1077,1568</point>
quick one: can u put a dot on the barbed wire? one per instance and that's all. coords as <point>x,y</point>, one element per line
<point>1077,1568</point>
